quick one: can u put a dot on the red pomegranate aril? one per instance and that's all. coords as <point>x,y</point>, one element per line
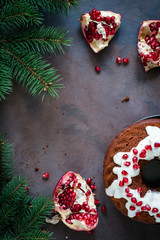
<point>93,186</point>
<point>142,155</point>
<point>97,69</point>
<point>158,24</point>
<point>124,172</point>
<point>157,144</point>
<point>125,180</point>
<point>138,214</point>
<point>88,193</point>
<point>45,176</point>
<point>121,183</point>
<point>90,232</point>
<point>154,210</point>
<point>136,166</point>
<point>143,208</point>
<point>148,208</point>
<point>26,188</point>
<point>135,151</point>
<point>139,203</point>
<point>134,159</point>
<point>125,60</point>
<point>103,209</point>
<point>132,208</point>
<point>129,194</point>
<point>134,200</point>
<point>119,60</point>
<point>89,181</point>
<point>139,189</point>
<point>148,147</point>
<point>158,215</point>
<point>125,156</point>
<point>127,190</point>
<point>97,202</point>
<point>127,164</point>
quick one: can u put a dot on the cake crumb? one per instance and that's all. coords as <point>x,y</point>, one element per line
<point>46,145</point>
<point>126,99</point>
<point>27,165</point>
<point>36,169</point>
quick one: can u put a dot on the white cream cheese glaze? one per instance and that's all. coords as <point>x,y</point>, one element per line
<point>147,149</point>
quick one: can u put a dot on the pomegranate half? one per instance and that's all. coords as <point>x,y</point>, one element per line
<point>74,201</point>
<point>149,44</point>
<point>99,27</point>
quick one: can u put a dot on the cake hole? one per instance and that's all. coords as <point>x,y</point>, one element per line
<point>151,173</point>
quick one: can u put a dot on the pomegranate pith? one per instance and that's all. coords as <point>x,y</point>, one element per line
<point>74,201</point>
<point>99,27</point>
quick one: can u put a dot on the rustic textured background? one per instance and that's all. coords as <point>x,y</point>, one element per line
<point>73,132</point>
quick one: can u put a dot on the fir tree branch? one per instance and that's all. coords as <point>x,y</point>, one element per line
<point>31,70</point>
<point>47,40</point>
<point>20,14</point>
<point>6,161</point>
<point>5,80</point>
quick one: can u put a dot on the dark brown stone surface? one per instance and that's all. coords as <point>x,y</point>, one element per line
<point>80,124</point>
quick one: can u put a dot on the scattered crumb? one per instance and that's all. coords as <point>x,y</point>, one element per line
<point>27,165</point>
<point>38,161</point>
<point>62,113</point>
<point>43,148</point>
<point>36,169</point>
<point>56,107</point>
<point>57,132</point>
<point>65,154</point>
<point>126,99</point>
<point>46,145</point>
<point>45,151</point>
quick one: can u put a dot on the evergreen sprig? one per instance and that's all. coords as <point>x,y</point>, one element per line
<point>21,215</point>
<point>22,43</point>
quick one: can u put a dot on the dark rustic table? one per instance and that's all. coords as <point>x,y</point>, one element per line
<point>73,132</point>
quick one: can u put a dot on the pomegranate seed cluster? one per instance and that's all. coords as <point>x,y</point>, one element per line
<point>149,47</point>
<point>107,24</point>
<point>147,149</point>
<point>74,198</point>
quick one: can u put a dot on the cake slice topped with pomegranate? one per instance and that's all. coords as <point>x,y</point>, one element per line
<point>149,44</point>
<point>99,27</point>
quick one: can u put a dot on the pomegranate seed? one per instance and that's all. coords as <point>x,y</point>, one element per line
<point>142,155</point>
<point>143,151</point>
<point>148,208</point>
<point>135,166</point>
<point>139,189</point>
<point>139,203</point>
<point>127,190</point>
<point>124,172</point>
<point>135,151</point>
<point>158,215</point>
<point>154,210</point>
<point>97,69</point>
<point>134,200</point>
<point>157,144</point>
<point>125,156</point>
<point>121,183</point>
<point>132,208</point>
<point>148,147</point>
<point>93,186</point>
<point>129,194</point>
<point>125,60</point>
<point>127,164</point>
<point>138,214</point>
<point>134,159</point>
<point>103,209</point>
<point>53,211</point>
<point>97,202</point>
<point>26,188</point>
<point>45,175</point>
<point>89,181</point>
<point>90,232</point>
<point>119,60</point>
<point>125,180</point>
<point>143,208</point>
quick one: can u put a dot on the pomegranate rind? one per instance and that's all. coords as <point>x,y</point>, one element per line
<point>143,47</point>
<point>75,224</point>
<point>98,45</point>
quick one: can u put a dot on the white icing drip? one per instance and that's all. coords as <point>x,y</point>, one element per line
<point>151,198</point>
